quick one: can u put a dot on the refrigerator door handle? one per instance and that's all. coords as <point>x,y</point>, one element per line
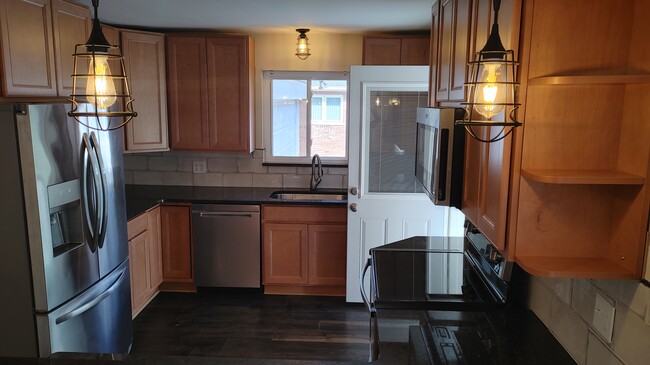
<point>91,219</point>
<point>102,212</point>
<point>81,309</point>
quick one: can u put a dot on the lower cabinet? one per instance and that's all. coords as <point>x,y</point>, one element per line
<point>304,249</point>
<point>144,257</point>
<point>176,243</point>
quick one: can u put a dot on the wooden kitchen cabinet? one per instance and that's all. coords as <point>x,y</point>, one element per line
<point>176,248</point>
<point>144,258</point>
<point>144,60</point>
<point>583,193</point>
<point>38,39</point>
<point>210,80</point>
<point>304,249</point>
<point>453,23</point>
<point>395,50</point>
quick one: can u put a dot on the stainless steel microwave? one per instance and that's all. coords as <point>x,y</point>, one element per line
<point>440,152</point>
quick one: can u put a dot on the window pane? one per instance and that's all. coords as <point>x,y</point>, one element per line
<point>333,111</point>
<point>316,108</point>
<point>329,136</point>
<point>392,141</point>
<point>289,118</point>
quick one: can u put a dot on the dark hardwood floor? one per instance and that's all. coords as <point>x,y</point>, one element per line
<point>247,327</point>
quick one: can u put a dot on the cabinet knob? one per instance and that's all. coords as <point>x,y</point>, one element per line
<point>354,191</point>
<point>354,207</point>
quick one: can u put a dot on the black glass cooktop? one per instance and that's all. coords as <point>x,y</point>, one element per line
<point>429,273</point>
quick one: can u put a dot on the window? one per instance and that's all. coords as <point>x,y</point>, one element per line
<point>305,113</point>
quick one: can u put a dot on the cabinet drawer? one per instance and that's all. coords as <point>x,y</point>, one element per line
<point>137,225</point>
<point>317,214</point>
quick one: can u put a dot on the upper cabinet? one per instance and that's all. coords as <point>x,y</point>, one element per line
<point>583,191</point>
<point>144,59</point>
<point>38,39</point>
<point>451,23</point>
<point>395,50</point>
<point>210,80</point>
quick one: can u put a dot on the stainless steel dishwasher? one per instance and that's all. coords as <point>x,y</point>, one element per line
<point>226,245</point>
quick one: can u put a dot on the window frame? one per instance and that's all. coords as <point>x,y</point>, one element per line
<point>267,102</point>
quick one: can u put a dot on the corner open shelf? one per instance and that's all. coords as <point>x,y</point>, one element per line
<point>587,177</point>
<point>575,267</point>
<point>589,79</point>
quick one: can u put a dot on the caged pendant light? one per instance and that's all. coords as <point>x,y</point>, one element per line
<point>491,89</point>
<point>302,45</point>
<point>100,98</point>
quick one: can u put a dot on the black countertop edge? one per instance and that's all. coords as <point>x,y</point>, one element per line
<point>140,198</point>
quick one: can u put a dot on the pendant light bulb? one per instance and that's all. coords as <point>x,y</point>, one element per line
<point>491,93</point>
<point>100,88</point>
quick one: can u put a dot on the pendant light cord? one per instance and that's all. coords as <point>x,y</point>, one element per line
<point>496,4</point>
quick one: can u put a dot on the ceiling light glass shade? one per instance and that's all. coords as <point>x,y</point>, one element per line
<point>100,97</point>
<point>302,45</point>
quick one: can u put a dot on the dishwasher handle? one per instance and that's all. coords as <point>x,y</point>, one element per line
<point>211,214</point>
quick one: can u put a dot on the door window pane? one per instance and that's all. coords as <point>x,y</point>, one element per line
<point>392,127</point>
<point>333,111</point>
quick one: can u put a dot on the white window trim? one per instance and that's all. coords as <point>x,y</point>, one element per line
<point>267,77</point>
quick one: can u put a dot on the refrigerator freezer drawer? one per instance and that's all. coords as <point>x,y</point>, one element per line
<point>97,321</point>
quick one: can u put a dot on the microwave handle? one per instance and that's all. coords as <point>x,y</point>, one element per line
<point>442,158</point>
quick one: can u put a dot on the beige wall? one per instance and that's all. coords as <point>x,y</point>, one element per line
<point>566,306</point>
<point>276,51</point>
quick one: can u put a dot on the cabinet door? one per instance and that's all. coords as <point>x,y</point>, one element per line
<point>434,53</point>
<point>138,252</point>
<point>382,51</point>
<point>327,254</point>
<point>446,29</point>
<point>144,59</point>
<point>176,243</point>
<point>460,48</point>
<point>155,259</point>
<point>229,90</point>
<point>28,66</point>
<point>414,51</point>
<point>284,252</point>
<point>187,95</point>
<point>72,25</point>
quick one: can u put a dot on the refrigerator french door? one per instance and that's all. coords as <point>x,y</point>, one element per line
<point>67,237</point>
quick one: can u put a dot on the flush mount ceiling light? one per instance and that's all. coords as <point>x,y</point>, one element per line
<point>302,46</point>
<point>100,97</point>
<point>491,89</point>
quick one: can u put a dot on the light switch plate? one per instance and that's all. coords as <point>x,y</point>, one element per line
<point>199,167</point>
<point>604,313</point>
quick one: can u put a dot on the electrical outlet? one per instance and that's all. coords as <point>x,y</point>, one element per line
<point>198,167</point>
<point>604,313</point>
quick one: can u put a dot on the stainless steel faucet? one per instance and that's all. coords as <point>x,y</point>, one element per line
<point>316,172</point>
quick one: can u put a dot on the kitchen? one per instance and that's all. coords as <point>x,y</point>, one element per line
<point>566,306</point>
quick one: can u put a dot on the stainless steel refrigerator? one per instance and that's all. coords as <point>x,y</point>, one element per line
<point>64,264</point>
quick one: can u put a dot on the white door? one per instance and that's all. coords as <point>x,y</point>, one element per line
<point>388,205</point>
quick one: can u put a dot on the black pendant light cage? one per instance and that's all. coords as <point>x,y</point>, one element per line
<point>87,106</point>
<point>502,112</point>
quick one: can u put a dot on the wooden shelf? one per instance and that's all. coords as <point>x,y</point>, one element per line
<point>589,80</point>
<point>586,177</point>
<point>573,267</point>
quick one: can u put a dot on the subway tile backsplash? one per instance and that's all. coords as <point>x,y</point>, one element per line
<point>566,306</point>
<point>222,169</point>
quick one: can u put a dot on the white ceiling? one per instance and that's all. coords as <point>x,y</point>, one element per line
<point>338,16</point>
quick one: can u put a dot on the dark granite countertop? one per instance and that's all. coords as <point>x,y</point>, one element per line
<point>139,198</point>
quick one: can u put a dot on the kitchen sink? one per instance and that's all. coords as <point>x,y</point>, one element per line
<point>309,195</point>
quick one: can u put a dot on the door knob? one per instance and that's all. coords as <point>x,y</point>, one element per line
<point>354,207</point>
<point>354,191</point>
